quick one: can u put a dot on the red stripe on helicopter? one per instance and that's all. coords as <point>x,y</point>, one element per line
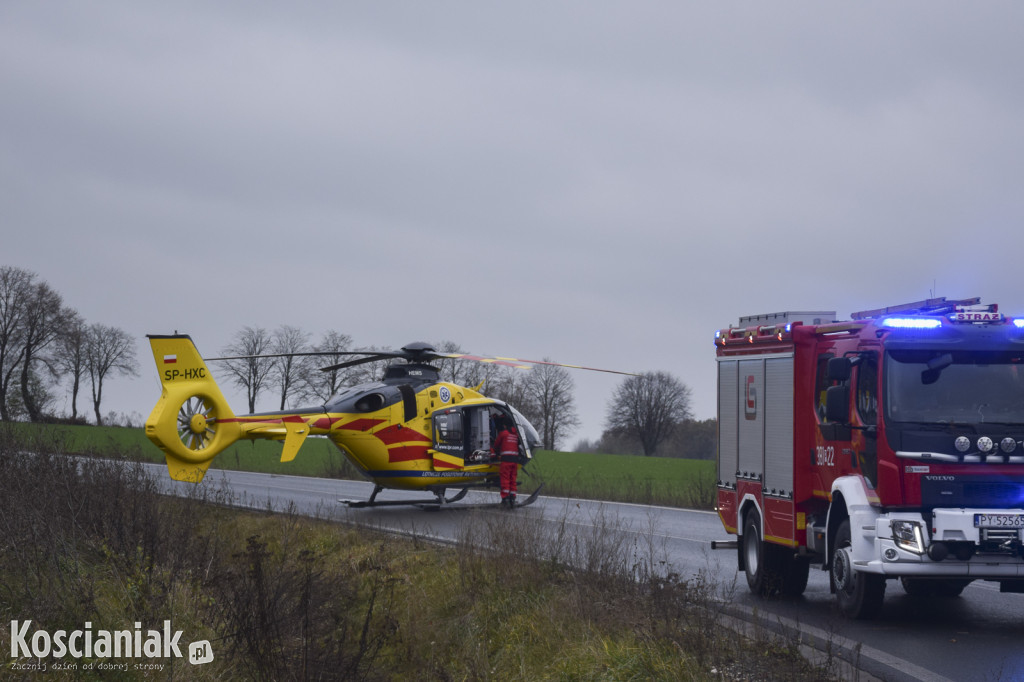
<point>325,423</point>
<point>361,424</point>
<point>407,453</point>
<point>400,434</point>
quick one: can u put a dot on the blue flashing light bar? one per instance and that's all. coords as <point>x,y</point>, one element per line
<point>912,322</point>
<point>1019,323</point>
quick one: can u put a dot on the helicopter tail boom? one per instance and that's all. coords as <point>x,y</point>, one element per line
<point>191,422</point>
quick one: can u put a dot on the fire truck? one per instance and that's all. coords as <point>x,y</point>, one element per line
<point>888,446</point>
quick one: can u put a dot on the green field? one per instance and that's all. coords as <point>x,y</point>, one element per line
<point>620,478</point>
<point>318,456</point>
<point>626,478</point>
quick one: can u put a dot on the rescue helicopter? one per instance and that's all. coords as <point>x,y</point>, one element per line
<point>408,431</point>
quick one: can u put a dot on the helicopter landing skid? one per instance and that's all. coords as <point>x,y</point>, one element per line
<point>433,506</point>
<point>438,501</point>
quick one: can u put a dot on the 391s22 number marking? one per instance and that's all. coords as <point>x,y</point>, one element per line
<point>826,455</point>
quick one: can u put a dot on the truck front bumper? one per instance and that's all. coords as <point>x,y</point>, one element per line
<point>952,545</point>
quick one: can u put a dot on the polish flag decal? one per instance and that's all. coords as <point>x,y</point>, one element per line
<point>170,359</point>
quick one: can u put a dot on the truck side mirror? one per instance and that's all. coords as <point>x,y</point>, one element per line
<point>837,403</point>
<point>839,369</point>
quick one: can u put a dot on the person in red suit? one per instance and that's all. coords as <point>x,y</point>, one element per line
<point>506,449</point>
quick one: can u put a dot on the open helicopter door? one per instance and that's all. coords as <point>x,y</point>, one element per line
<point>461,435</point>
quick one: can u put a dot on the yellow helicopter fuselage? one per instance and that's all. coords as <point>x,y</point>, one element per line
<point>409,431</point>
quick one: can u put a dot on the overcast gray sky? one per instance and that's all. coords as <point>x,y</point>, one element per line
<point>594,182</point>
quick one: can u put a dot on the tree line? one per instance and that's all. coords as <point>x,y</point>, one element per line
<point>651,414</point>
<point>44,342</point>
<point>648,414</point>
<point>689,439</point>
<point>272,362</point>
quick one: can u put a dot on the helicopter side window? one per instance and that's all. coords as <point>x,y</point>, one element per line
<point>370,403</point>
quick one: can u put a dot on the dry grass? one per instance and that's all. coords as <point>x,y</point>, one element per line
<point>282,597</point>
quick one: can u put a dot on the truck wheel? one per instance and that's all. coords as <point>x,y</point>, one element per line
<point>859,595</point>
<point>760,560</point>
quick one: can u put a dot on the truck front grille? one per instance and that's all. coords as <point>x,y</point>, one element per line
<point>1000,535</point>
<point>970,491</point>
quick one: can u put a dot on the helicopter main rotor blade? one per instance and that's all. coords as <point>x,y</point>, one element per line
<point>418,352</point>
<point>589,369</point>
<point>518,363</point>
<point>362,361</point>
<point>504,362</point>
<point>283,355</point>
<point>374,355</point>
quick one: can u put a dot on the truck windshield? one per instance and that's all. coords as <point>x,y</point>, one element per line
<point>959,387</point>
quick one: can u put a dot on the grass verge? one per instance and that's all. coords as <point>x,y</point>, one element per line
<point>283,597</point>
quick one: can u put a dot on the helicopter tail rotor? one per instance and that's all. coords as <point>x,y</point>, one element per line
<point>191,422</point>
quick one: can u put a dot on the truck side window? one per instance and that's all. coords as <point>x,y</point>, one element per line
<point>829,430</point>
<point>821,383</point>
<point>867,389</point>
<point>867,412</point>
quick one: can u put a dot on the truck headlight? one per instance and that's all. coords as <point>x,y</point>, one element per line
<point>908,535</point>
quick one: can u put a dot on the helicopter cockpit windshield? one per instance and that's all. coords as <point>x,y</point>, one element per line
<point>527,431</point>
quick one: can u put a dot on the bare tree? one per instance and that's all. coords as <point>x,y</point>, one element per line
<point>286,341</point>
<point>372,371</point>
<point>250,372</point>
<point>70,356</point>
<point>44,320</point>
<point>463,372</point>
<point>496,380</point>
<point>552,389</point>
<point>32,314</point>
<point>15,287</point>
<point>648,407</point>
<point>317,385</point>
<point>109,350</point>
<point>511,385</point>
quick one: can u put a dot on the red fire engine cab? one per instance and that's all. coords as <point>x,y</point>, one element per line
<point>887,446</point>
